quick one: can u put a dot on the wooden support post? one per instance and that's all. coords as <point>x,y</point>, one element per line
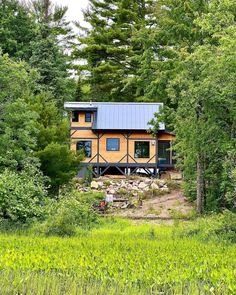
<point>98,152</point>
<point>155,173</point>
<point>200,184</point>
<point>171,161</point>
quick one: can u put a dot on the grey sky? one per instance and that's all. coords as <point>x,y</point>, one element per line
<point>74,8</point>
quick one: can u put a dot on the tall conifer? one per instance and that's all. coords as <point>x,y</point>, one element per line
<point>109,48</point>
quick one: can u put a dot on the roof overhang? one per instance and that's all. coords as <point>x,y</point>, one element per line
<point>75,106</point>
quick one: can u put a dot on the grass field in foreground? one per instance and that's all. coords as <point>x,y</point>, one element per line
<point>141,259</point>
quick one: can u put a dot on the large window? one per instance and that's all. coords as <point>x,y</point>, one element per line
<point>75,116</point>
<point>142,149</point>
<point>164,151</point>
<point>86,146</point>
<point>88,117</point>
<point>113,144</point>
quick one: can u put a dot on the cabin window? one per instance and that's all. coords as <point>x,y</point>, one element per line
<point>164,151</point>
<point>75,116</point>
<point>113,144</point>
<point>88,117</point>
<point>86,146</point>
<point>142,149</point>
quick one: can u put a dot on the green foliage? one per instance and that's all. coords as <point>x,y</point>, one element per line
<point>17,120</point>
<point>70,214</point>
<point>111,260</point>
<point>49,56</point>
<point>51,125</point>
<point>72,211</point>
<point>198,57</point>
<point>109,48</point>
<point>32,123</point>
<point>59,163</point>
<point>173,28</point>
<point>18,29</point>
<point>22,195</point>
<point>88,176</point>
<point>18,135</point>
<point>93,199</point>
<point>50,62</point>
<point>217,227</point>
<point>16,78</point>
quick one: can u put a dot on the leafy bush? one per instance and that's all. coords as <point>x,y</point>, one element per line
<point>22,195</point>
<point>88,177</point>
<point>218,227</point>
<point>60,164</point>
<point>71,212</point>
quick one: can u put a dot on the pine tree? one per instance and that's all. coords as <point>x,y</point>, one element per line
<point>109,47</point>
<point>49,56</point>
<point>17,29</point>
<point>205,115</point>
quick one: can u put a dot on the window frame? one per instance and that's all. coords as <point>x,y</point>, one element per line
<point>142,157</point>
<point>164,152</point>
<point>84,140</point>
<point>86,119</point>
<point>112,138</point>
<point>73,117</point>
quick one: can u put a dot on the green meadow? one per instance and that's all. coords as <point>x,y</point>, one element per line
<point>120,258</point>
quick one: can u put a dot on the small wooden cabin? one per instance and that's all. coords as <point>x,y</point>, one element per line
<point>115,137</point>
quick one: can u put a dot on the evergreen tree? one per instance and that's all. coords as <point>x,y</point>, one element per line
<point>17,121</point>
<point>174,28</point>
<point>205,109</point>
<point>58,162</point>
<point>109,48</point>
<point>17,29</point>
<point>50,56</point>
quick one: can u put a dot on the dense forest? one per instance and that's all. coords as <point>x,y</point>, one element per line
<point>179,52</point>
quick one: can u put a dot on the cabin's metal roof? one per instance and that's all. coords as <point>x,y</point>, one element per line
<point>120,116</point>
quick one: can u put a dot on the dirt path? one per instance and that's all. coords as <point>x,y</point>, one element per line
<point>166,207</point>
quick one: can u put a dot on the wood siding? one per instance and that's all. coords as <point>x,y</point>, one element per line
<point>81,122</point>
<point>126,153</point>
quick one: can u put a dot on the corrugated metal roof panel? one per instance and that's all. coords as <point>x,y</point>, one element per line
<point>121,116</point>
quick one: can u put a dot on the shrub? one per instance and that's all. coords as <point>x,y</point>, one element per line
<point>88,177</point>
<point>70,213</point>
<point>60,164</point>
<point>217,227</point>
<point>22,195</point>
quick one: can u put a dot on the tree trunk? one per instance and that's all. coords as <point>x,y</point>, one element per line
<point>200,184</point>
<point>46,6</point>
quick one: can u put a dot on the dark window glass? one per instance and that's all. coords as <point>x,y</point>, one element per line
<point>164,152</point>
<point>86,146</point>
<point>88,117</point>
<point>75,116</point>
<point>142,149</point>
<point>113,144</point>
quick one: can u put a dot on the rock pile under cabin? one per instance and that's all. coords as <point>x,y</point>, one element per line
<point>141,197</point>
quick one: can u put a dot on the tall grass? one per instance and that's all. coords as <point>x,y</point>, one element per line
<point>118,258</point>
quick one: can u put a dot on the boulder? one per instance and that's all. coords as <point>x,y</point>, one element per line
<point>142,185</point>
<point>123,183</point>
<point>175,176</point>
<point>100,184</point>
<point>146,188</point>
<point>112,191</point>
<point>135,188</point>
<point>94,185</point>
<point>162,183</point>
<point>164,189</point>
<point>154,186</point>
<point>148,181</point>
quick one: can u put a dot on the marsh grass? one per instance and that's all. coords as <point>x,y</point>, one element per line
<point>118,257</point>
